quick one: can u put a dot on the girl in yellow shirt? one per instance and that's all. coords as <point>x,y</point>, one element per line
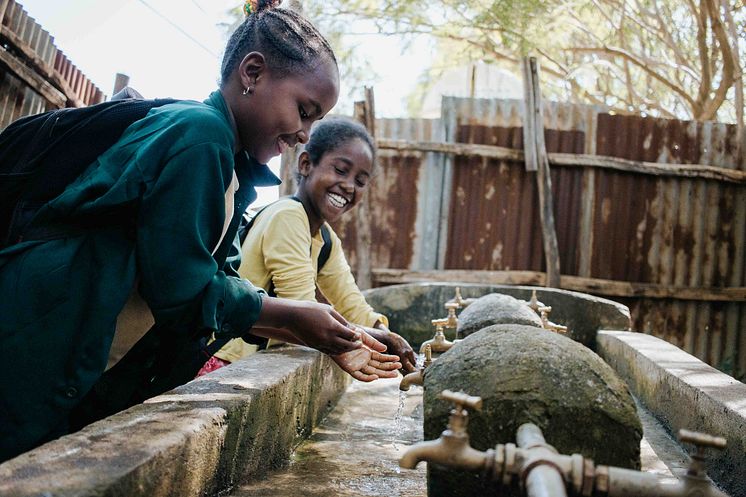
<point>280,252</point>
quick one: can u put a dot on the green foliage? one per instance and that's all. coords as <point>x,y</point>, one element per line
<point>669,58</point>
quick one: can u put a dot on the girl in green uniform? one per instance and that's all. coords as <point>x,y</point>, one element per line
<point>181,177</point>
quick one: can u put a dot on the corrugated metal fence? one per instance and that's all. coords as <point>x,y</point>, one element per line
<point>669,246</point>
<point>34,75</point>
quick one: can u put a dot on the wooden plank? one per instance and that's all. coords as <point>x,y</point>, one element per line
<point>657,169</point>
<point>396,276</point>
<point>417,147</point>
<point>529,119</point>
<point>567,160</point>
<point>40,65</point>
<point>370,111</point>
<point>32,79</point>
<point>587,218</point>
<point>364,113</point>
<point>543,175</point>
<point>595,286</point>
<point>3,9</point>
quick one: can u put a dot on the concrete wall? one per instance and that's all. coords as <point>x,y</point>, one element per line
<point>202,438</point>
<point>684,392</point>
<point>410,308</point>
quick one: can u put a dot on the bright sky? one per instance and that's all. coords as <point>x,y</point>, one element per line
<point>172,48</point>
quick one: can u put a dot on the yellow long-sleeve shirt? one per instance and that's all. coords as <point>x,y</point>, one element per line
<point>276,251</point>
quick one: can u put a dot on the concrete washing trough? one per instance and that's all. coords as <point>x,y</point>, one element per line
<point>288,422</point>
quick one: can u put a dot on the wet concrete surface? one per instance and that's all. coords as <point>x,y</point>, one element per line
<point>659,452</point>
<point>355,452</point>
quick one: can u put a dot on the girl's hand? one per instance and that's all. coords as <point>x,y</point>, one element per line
<point>368,363</point>
<point>395,344</point>
<point>312,324</point>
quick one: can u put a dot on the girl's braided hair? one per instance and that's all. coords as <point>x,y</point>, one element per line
<point>332,132</point>
<point>288,41</point>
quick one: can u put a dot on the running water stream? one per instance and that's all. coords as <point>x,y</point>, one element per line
<point>420,359</point>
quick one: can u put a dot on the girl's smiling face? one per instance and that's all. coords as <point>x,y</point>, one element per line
<point>336,183</point>
<point>280,109</point>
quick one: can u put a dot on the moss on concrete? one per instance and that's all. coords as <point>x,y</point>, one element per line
<point>525,374</point>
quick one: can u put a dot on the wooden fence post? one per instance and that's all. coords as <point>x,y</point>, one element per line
<point>3,8</point>
<point>537,160</point>
<point>366,114</point>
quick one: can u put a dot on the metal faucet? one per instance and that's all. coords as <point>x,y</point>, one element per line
<point>543,312</point>
<point>438,343</point>
<point>462,302</point>
<point>542,471</point>
<point>534,303</point>
<point>547,324</point>
<point>618,482</point>
<point>417,377</point>
<point>451,318</point>
<point>452,449</point>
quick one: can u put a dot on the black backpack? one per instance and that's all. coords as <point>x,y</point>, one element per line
<point>40,155</point>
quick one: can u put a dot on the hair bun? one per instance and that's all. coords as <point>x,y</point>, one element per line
<point>255,6</point>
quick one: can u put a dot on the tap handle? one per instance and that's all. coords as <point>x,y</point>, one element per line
<point>428,355</point>
<point>457,298</point>
<point>534,302</point>
<point>451,307</point>
<point>439,323</point>
<point>461,400</point>
<point>701,440</point>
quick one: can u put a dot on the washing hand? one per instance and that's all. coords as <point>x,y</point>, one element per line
<point>395,344</point>
<point>368,363</point>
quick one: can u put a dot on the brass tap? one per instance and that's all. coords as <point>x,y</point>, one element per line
<point>462,302</point>
<point>613,482</point>
<point>701,441</point>
<point>547,324</point>
<point>534,303</point>
<point>438,343</point>
<point>543,312</point>
<point>417,377</point>
<point>452,319</point>
<point>542,471</point>
<point>452,448</point>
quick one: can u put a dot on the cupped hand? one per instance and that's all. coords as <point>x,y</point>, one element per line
<point>368,363</point>
<point>395,344</point>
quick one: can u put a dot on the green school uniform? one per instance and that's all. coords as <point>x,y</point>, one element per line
<point>157,201</point>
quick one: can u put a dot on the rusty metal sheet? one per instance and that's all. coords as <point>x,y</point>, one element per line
<point>399,198</point>
<point>494,215</point>
<point>684,232</point>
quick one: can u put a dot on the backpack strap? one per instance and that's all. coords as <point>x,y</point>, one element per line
<point>326,249</point>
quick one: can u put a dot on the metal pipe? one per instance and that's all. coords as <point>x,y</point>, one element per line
<point>620,482</point>
<point>539,472</point>
<point>545,481</point>
<point>546,473</point>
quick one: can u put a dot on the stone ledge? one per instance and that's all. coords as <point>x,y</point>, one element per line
<point>202,438</point>
<point>684,392</point>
